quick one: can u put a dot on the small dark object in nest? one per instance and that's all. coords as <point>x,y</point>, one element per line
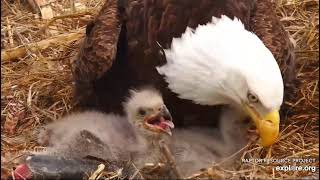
<point>58,168</point>
<point>38,167</point>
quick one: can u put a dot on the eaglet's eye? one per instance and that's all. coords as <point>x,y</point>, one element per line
<point>142,112</point>
<point>252,98</point>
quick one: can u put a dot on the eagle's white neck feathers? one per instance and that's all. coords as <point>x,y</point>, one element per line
<point>218,63</point>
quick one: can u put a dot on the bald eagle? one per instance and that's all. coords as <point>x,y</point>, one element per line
<point>230,59</point>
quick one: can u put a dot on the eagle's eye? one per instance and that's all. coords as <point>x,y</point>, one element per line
<point>252,98</point>
<point>142,112</point>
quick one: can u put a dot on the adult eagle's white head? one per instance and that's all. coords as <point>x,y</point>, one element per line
<point>223,63</point>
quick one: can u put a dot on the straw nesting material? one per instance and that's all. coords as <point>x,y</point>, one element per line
<point>36,83</point>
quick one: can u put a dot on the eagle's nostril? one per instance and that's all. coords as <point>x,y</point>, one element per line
<point>269,121</point>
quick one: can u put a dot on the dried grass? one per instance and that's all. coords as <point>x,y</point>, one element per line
<point>37,87</point>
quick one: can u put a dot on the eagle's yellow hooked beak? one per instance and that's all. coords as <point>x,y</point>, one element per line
<point>267,126</point>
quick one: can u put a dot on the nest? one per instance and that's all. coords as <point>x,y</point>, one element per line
<point>37,86</point>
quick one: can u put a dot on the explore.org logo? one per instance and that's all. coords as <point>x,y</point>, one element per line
<point>296,168</point>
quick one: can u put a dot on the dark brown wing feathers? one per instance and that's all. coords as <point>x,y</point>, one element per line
<point>267,26</point>
<point>99,47</point>
<point>97,52</point>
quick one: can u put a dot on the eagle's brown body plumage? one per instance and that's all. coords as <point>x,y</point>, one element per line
<point>120,49</point>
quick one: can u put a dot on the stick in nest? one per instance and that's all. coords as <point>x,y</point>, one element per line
<point>171,160</point>
<point>95,174</point>
<point>21,51</point>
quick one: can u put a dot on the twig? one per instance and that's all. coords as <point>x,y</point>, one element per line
<point>76,15</point>
<point>289,134</point>
<point>10,34</point>
<point>136,172</point>
<point>97,172</point>
<point>21,51</point>
<point>232,155</point>
<point>171,160</point>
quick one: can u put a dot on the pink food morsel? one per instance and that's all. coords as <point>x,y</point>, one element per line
<point>22,172</point>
